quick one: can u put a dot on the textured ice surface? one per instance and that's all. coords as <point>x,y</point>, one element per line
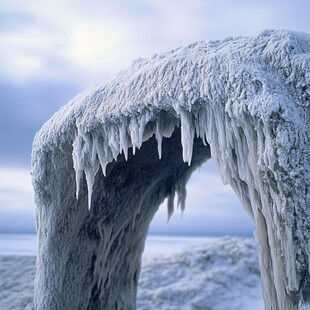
<point>248,98</point>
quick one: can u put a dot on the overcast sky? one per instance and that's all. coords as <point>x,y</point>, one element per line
<point>51,50</point>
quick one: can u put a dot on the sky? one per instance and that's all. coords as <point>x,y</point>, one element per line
<point>52,50</point>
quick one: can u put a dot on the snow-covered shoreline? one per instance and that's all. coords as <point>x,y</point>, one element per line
<point>177,273</point>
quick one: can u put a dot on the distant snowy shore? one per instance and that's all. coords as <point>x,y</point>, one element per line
<point>177,274</point>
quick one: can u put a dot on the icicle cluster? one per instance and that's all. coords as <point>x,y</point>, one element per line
<point>101,146</point>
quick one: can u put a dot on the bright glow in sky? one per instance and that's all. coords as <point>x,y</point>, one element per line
<point>52,50</point>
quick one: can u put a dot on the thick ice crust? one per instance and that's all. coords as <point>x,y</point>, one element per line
<point>248,98</point>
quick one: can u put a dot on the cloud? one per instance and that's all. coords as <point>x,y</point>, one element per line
<point>16,190</point>
<point>96,39</point>
<point>17,206</point>
<point>23,110</point>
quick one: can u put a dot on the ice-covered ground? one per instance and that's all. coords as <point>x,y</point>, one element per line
<point>177,273</point>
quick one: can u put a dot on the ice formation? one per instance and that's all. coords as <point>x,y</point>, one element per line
<point>105,161</point>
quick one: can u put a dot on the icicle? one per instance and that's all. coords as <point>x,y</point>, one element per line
<point>90,177</point>
<point>78,177</point>
<point>91,170</point>
<point>170,204</point>
<point>123,139</point>
<point>114,141</point>
<point>108,156</point>
<point>159,138</point>
<point>197,129</point>
<point>77,162</point>
<point>102,153</point>
<point>187,136</point>
<point>143,121</point>
<point>181,191</point>
<point>134,134</point>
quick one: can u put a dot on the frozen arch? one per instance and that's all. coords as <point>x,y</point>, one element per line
<point>99,180</point>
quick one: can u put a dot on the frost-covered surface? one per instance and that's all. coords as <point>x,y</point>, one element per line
<point>16,282</point>
<point>223,274</point>
<point>220,274</point>
<point>247,98</point>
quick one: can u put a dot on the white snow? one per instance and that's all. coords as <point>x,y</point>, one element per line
<point>222,274</point>
<point>195,273</point>
<point>16,282</point>
<point>248,98</point>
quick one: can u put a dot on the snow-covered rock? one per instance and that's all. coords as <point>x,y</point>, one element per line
<point>99,181</point>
